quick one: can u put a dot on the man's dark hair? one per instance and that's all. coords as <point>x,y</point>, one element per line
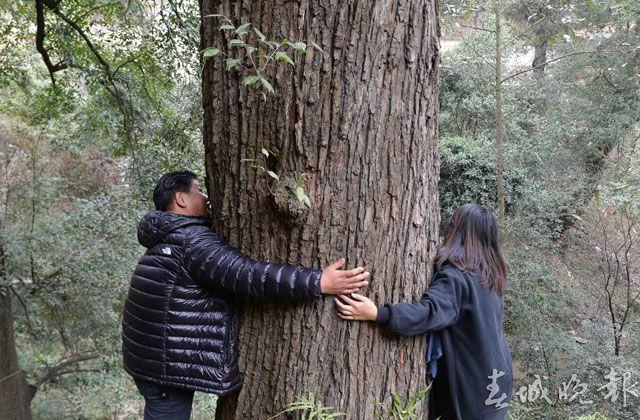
<point>168,185</point>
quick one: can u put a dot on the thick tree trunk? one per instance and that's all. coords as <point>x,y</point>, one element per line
<point>15,397</point>
<point>360,122</point>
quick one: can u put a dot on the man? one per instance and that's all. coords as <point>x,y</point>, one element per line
<point>178,328</point>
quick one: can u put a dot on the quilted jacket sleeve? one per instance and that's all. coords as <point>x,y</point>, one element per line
<point>438,308</point>
<point>215,263</point>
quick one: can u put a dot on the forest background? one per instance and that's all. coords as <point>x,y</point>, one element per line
<point>99,98</point>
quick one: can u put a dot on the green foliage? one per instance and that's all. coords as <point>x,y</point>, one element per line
<point>310,409</point>
<point>397,410</point>
<point>468,175</point>
<point>570,130</point>
<point>79,161</point>
<point>261,163</point>
<point>252,53</point>
<point>594,416</point>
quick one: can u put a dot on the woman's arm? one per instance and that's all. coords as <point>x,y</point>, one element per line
<point>438,308</point>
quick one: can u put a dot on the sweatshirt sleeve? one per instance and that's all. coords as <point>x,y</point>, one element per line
<point>215,263</point>
<point>438,308</point>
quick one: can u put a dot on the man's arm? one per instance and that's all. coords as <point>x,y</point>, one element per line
<point>217,264</point>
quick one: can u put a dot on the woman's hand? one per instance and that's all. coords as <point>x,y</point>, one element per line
<point>357,308</point>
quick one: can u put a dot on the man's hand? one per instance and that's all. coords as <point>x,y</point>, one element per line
<point>339,282</point>
<point>357,308</point>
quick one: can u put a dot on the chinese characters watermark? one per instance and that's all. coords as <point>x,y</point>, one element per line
<point>618,386</point>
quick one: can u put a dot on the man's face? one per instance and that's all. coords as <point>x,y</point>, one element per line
<point>194,202</point>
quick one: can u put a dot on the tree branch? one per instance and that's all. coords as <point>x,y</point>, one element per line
<point>106,67</point>
<point>65,366</point>
<point>551,61</point>
<point>477,28</point>
<point>40,35</point>
<point>110,85</point>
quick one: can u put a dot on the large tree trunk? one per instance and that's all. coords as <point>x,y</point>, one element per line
<point>15,397</point>
<point>360,122</point>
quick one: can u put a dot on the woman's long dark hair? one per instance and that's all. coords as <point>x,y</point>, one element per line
<point>471,243</point>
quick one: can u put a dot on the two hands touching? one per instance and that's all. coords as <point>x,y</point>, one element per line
<point>351,306</point>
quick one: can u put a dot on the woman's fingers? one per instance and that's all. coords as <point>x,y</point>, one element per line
<point>358,297</point>
<point>348,299</point>
<point>341,306</point>
<point>346,311</point>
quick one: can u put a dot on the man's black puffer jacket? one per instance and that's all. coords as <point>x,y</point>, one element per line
<point>178,328</point>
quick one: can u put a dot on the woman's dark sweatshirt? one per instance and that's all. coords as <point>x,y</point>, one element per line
<point>468,317</point>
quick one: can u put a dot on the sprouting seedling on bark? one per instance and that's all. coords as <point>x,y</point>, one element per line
<point>252,53</point>
<point>255,163</point>
<point>260,163</point>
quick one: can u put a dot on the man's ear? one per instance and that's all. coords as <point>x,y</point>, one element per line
<point>180,200</point>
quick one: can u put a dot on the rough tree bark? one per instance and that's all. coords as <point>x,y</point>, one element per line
<point>15,396</point>
<point>360,122</point>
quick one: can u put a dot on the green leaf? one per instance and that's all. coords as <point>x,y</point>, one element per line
<point>249,80</point>
<point>317,47</point>
<point>231,63</point>
<point>236,43</point>
<point>249,49</point>
<point>299,46</point>
<point>213,15</point>
<point>273,175</point>
<point>262,37</point>
<point>300,193</point>
<point>284,58</point>
<point>265,152</point>
<point>302,196</point>
<point>243,29</point>
<point>210,52</point>
<point>227,26</point>
<point>266,84</point>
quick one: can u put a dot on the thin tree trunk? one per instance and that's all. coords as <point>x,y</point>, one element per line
<point>499,119</point>
<point>15,397</point>
<point>360,122</point>
<point>539,59</point>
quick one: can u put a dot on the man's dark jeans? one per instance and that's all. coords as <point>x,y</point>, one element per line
<point>165,403</point>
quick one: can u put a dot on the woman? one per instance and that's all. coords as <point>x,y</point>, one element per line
<point>463,309</point>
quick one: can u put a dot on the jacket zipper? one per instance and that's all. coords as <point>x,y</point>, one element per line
<point>227,341</point>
